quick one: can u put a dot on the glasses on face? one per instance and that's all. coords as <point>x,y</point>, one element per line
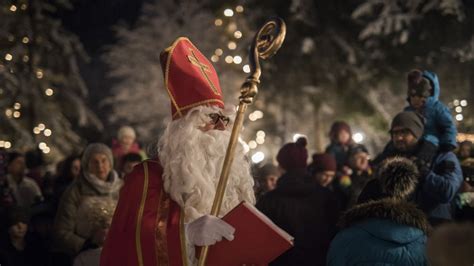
<point>215,117</point>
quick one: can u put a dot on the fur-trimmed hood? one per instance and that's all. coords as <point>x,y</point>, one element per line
<point>401,214</point>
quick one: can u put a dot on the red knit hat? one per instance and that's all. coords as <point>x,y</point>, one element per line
<point>190,78</point>
<point>293,155</point>
<point>323,162</point>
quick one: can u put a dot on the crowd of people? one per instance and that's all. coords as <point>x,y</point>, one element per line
<point>404,207</point>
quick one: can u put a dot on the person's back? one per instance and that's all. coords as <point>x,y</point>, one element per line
<point>306,211</point>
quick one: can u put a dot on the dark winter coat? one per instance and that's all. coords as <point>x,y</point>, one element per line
<point>33,254</point>
<point>339,152</point>
<point>435,190</point>
<point>385,232</point>
<point>439,125</point>
<point>306,211</point>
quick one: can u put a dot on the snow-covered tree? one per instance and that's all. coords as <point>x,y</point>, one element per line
<point>41,89</point>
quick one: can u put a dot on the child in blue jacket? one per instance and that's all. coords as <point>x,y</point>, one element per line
<point>423,98</point>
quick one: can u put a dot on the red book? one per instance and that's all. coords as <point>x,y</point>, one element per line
<point>258,241</point>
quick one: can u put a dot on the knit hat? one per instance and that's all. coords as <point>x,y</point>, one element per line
<point>322,162</point>
<point>16,215</point>
<point>398,176</point>
<point>337,127</point>
<point>356,149</point>
<point>267,170</point>
<point>95,148</point>
<point>293,155</point>
<point>418,85</point>
<point>409,120</point>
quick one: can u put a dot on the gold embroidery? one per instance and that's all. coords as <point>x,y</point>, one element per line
<point>140,216</point>
<point>204,68</point>
<point>161,229</point>
<point>198,104</point>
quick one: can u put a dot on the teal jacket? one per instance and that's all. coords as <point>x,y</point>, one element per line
<point>385,232</point>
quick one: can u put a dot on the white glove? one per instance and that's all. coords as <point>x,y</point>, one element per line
<point>207,230</point>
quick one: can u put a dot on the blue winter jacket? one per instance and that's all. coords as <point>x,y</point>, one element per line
<point>439,125</point>
<point>380,238</point>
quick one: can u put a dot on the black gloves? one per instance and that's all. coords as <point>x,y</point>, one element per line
<point>445,167</point>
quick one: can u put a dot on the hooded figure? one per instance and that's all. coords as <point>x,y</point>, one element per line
<point>389,231</point>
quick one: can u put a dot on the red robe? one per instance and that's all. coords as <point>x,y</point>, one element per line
<point>147,228</point>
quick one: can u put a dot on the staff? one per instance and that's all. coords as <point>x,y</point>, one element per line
<point>266,43</point>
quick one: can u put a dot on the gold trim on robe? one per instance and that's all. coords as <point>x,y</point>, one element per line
<point>140,216</point>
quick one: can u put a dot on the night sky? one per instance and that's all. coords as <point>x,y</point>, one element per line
<point>92,21</point>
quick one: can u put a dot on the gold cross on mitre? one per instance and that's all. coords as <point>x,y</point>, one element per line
<point>204,68</point>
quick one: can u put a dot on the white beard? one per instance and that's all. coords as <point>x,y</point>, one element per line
<point>192,162</point>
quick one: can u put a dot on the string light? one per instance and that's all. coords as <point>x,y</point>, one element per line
<point>238,34</point>
<point>25,40</point>
<point>12,8</point>
<point>459,117</point>
<point>39,74</point>
<point>219,52</point>
<point>246,68</point>
<point>214,58</point>
<point>458,109</point>
<point>46,150</point>
<point>232,45</point>
<point>463,103</point>
<point>237,59</point>
<point>9,112</point>
<point>41,126</point>
<point>239,9</point>
<point>228,12</point>
<point>16,114</point>
<point>229,59</point>
<point>218,22</point>
<point>26,58</point>
<point>23,6</point>
<point>261,134</point>
<point>456,102</point>
<point>42,145</point>
<point>17,106</point>
<point>7,145</point>
<point>47,132</point>
<point>252,144</point>
<point>8,57</point>
<point>36,130</point>
<point>11,38</point>
<point>260,140</point>
<point>49,92</point>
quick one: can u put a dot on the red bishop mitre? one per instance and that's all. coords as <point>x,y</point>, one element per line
<point>190,78</point>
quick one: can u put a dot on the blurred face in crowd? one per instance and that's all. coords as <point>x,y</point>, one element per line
<point>128,166</point>
<point>18,230</point>
<point>17,167</point>
<point>325,178</point>
<point>360,161</point>
<point>465,150</point>
<point>403,139</point>
<point>99,165</point>
<point>417,102</point>
<point>76,168</point>
<point>127,140</point>
<point>343,137</point>
<point>270,182</point>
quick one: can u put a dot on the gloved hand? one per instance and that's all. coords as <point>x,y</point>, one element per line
<point>207,230</point>
<point>447,147</point>
<point>423,167</point>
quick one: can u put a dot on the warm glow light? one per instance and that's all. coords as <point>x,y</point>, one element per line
<point>458,109</point>
<point>12,8</point>
<point>237,59</point>
<point>218,22</point>
<point>9,112</point>
<point>219,51</point>
<point>260,140</point>
<point>48,92</point>
<point>228,12</point>
<point>23,6</point>
<point>26,58</point>
<point>214,58</point>
<point>41,126</point>
<point>42,145</point>
<point>8,57</point>
<point>258,157</point>
<point>261,134</point>
<point>46,150</point>
<point>238,34</point>
<point>258,114</point>
<point>358,137</point>
<point>36,130</point>
<point>232,45</point>
<point>239,9</point>
<point>7,145</point>
<point>25,39</point>
<point>229,59</point>
<point>252,144</point>
<point>463,103</point>
<point>47,132</point>
<point>252,117</point>
<point>456,102</point>
<point>39,74</point>
<point>16,114</point>
<point>459,117</point>
<point>17,106</point>
<point>246,68</point>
